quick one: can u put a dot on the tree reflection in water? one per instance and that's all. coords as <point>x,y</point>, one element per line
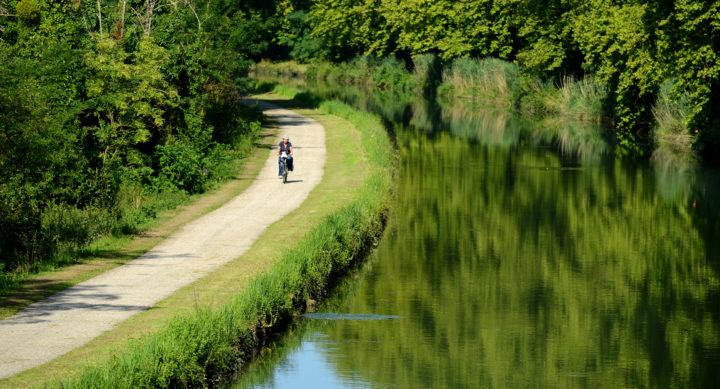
<point>524,254</point>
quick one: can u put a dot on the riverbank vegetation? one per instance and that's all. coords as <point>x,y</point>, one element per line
<point>206,346</point>
<point>625,52</point>
<point>111,112</point>
<point>500,86</point>
<point>488,100</point>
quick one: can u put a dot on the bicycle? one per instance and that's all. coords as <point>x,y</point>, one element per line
<point>284,158</point>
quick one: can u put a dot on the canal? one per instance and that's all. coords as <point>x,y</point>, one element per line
<point>519,254</point>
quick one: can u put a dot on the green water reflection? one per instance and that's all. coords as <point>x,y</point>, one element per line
<point>513,264</point>
<point>516,268</point>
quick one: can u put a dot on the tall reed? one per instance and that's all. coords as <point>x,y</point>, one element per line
<point>490,81</point>
<point>427,71</point>
<point>673,139</point>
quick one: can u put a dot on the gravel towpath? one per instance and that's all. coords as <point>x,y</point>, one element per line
<point>73,317</point>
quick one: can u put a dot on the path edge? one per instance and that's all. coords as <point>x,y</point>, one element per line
<point>250,339</point>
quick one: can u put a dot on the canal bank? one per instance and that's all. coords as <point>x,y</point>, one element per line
<point>513,261</point>
<point>220,330</point>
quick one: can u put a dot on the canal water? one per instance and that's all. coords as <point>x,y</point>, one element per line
<point>519,254</point>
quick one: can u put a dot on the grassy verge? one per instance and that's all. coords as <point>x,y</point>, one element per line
<point>201,333</point>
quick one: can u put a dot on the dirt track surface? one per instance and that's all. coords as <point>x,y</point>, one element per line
<point>73,317</point>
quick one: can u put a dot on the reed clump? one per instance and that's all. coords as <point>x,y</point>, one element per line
<point>674,141</point>
<point>499,84</point>
<point>206,347</point>
<point>577,100</point>
<point>382,73</point>
<point>488,81</point>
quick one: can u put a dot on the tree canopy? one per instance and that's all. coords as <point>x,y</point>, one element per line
<point>632,46</point>
<point>100,96</point>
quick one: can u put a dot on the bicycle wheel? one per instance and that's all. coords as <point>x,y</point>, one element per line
<point>285,172</point>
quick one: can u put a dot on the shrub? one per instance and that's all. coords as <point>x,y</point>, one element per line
<point>28,11</point>
<point>67,225</point>
<point>181,166</point>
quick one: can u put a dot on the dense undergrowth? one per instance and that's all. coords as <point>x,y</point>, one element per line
<point>205,348</point>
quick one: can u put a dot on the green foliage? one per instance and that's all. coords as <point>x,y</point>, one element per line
<point>28,11</point>
<point>296,35</point>
<point>443,26</point>
<point>204,348</point>
<point>67,225</point>
<point>382,73</point>
<point>687,42</point>
<point>89,109</point>
<point>181,165</point>
<point>627,47</point>
<point>346,26</point>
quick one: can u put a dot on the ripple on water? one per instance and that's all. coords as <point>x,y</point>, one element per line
<point>348,316</point>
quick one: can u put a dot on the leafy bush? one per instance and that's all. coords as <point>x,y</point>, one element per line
<point>296,36</point>
<point>28,11</point>
<point>181,166</point>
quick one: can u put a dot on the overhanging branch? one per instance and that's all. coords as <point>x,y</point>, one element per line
<point>4,11</point>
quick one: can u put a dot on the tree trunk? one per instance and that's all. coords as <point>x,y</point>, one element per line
<point>122,19</point>
<point>100,18</point>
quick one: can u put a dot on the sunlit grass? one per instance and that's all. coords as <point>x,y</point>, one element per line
<point>205,343</point>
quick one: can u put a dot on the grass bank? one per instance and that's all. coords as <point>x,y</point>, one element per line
<point>205,331</point>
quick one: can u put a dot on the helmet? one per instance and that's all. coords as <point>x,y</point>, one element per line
<point>286,137</point>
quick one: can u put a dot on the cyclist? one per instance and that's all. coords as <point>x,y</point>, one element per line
<point>285,146</point>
